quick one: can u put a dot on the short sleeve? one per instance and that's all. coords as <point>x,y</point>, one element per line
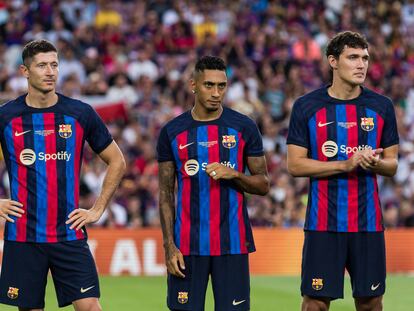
<point>298,133</point>
<point>254,142</point>
<point>97,135</point>
<point>164,152</point>
<point>390,131</point>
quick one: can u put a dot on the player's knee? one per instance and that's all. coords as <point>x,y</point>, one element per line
<point>368,303</point>
<point>315,304</point>
<point>88,304</point>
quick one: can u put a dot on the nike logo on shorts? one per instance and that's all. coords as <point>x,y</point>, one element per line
<point>84,290</point>
<point>181,147</point>
<point>375,287</point>
<point>236,303</point>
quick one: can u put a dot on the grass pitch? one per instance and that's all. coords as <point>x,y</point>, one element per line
<point>267,293</point>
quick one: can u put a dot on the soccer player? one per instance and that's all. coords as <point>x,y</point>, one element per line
<point>208,233</point>
<point>342,136</point>
<point>42,135</point>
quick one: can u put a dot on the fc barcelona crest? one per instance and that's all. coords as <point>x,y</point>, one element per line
<point>182,297</point>
<point>65,130</point>
<point>367,124</point>
<point>13,293</point>
<point>317,284</point>
<point>229,141</point>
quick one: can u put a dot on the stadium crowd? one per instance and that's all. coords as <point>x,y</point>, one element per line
<point>141,53</point>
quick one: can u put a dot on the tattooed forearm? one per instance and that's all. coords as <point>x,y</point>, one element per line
<point>166,177</point>
<point>258,181</point>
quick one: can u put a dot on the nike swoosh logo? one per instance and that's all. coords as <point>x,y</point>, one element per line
<point>320,124</point>
<point>375,287</point>
<point>236,303</point>
<point>17,134</point>
<point>84,290</point>
<point>181,147</point>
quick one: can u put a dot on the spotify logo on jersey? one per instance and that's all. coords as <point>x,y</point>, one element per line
<point>191,167</point>
<point>27,156</point>
<point>329,149</point>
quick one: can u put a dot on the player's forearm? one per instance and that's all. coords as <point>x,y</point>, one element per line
<point>386,167</point>
<point>305,167</point>
<point>254,184</point>
<point>115,172</point>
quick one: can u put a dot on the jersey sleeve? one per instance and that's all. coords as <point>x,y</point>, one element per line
<point>389,132</point>
<point>254,142</point>
<point>97,135</point>
<point>164,151</point>
<point>298,133</point>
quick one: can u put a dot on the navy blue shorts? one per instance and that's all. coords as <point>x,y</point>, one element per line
<point>326,255</point>
<point>230,281</point>
<point>25,268</point>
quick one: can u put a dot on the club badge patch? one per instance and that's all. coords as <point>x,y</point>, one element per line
<point>65,130</point>
<point>182,297</point>
<point>367,124</point>
<point>13,293</point>
<point>317,284</point>
<point>229,141</point>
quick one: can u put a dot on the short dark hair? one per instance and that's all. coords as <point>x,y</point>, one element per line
<point>35,47</point>
<point>346,38</point>
<point>210,63</point>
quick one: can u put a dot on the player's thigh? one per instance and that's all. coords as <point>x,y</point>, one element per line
<point>23,275</point>
<point>189,293</point>
<point>366,265</point>
<point>323,264</point>
<point>74,271</point>
<point>231,282</point>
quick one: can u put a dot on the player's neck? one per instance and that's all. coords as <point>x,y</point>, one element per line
<point>200,114</point>
<point>344,91</point>
<point>38,99</point>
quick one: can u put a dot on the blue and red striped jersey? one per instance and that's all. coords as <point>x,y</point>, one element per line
<point>43,153</point>
<point>333,130</point>
<point>211,216</point>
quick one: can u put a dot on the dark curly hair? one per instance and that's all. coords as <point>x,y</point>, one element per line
<point>346,38</point>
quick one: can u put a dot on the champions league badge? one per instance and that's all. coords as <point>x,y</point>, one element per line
<point>182,297</point>
<point>13,293</point>
<point>317,284</point>
<point>65,130</point>
<point>367,124</point>
<point>229,141</point>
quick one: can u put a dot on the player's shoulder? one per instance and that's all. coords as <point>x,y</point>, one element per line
<point>11,104</point>
<point>237,119</point>
<point>178,124</point>
<point>309,103</point>
<point>75,104</point>
<point>376,98</point>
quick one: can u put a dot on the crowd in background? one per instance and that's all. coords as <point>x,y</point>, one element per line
<point>142,53</point>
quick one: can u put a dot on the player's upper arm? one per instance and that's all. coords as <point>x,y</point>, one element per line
<point>112,154</point>
<point>295,154</point>
<point>257,165</point>
<point>390,152</point>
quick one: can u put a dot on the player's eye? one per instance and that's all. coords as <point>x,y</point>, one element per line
<point>222,86</point>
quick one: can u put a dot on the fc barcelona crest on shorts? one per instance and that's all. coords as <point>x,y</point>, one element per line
<point>13,293</point>
<point>367,124</point>
<point>65,130</point>
<point>317,284</point>
<point>229,141</point>
<point>182,297</point>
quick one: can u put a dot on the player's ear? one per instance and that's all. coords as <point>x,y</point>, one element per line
<point>192,86</point>
<point>24,71</point>
<point>333,62</point>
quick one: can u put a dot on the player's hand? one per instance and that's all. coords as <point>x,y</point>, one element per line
<point>353,162</point>
<point>9,207</point>
<point>174,260</point>
<point>80,217</point>
<point>219,171</point>
<point>370,158</point>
